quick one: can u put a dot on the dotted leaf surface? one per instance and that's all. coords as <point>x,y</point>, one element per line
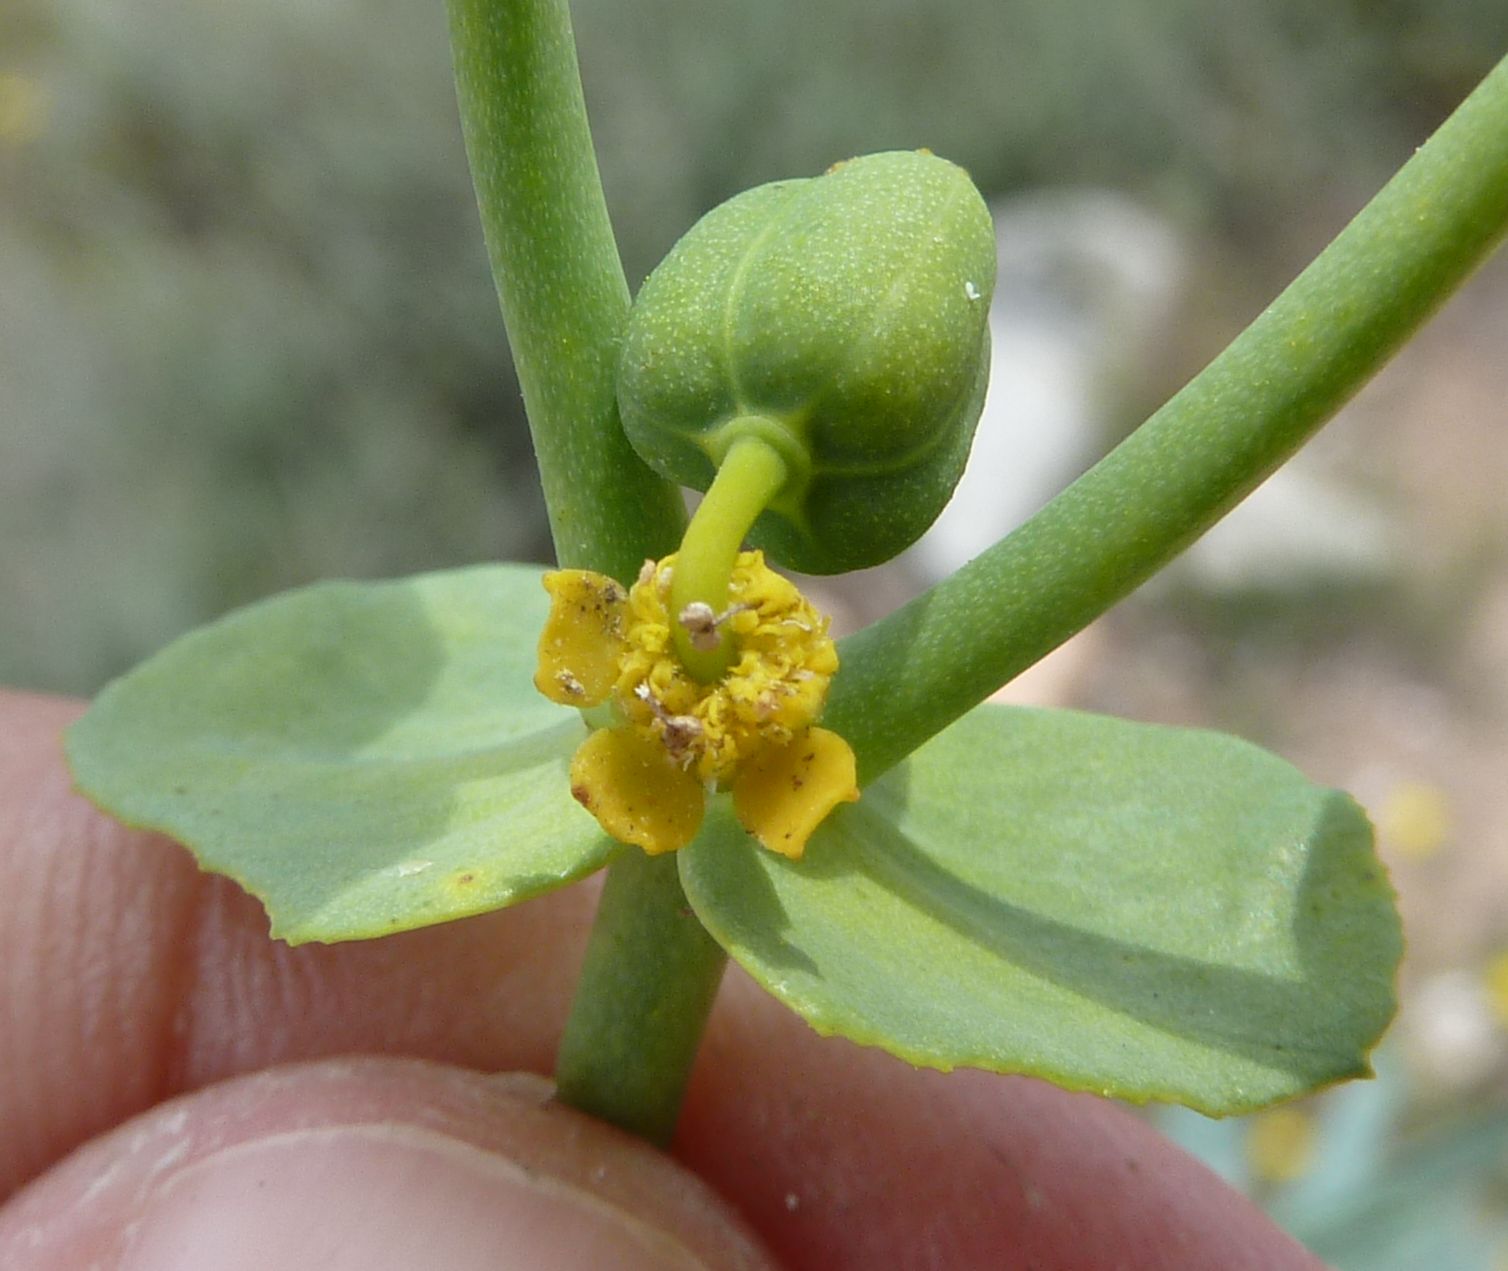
<point>364,757</point>
<point>1144,912</point>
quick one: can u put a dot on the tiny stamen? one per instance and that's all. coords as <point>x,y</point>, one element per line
<point>701,623</point>
<point>681,734</point>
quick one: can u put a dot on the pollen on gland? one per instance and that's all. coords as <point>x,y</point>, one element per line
<point>570,684</point>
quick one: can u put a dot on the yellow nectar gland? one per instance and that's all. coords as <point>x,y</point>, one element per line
<point>646,778</point>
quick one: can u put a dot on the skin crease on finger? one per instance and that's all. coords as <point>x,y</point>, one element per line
<point>126,977</point>
<point>355,1162</point>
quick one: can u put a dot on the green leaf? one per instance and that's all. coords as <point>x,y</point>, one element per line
<point>364,757</point>
<point>1144,912</point>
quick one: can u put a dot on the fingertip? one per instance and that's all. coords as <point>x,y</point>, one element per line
<point>371,1164</point>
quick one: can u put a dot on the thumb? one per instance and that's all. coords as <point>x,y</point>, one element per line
<point>370,1164</point>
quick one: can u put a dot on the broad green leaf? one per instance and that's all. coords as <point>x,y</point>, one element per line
<point>363,757</point>
<point>1145,912</point>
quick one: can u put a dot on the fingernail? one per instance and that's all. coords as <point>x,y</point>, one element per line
<point>378,1197</point>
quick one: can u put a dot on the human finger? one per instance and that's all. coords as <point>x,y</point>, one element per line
<point>370,1164</point>
<point>827,1147</point>
<point>845,1158</point>
<point>127,976</point>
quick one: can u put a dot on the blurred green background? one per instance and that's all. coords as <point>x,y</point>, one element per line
<point>248,340</point>
<point>247,336</point>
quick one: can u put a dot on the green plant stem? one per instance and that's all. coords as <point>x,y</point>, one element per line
<point>634,1029</point>
<point>750,475</point>
<point>559,279</point>
<point>651,969</point>
<point>909,676</point>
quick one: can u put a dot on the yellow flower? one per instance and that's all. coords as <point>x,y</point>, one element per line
<point>646,777</point>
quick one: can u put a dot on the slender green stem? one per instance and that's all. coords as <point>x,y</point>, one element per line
<point>750,475</point>
<point>651,969</point>
<point>634,1029</point>
<point>561,285</point>
<point>909,676</point>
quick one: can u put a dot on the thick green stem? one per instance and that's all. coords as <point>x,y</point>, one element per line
<point>750,475</point>
<point>634,1029</point>
<point>909,676</point>
<point>561,285</point>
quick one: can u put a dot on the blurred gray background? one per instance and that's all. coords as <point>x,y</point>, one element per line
<point>247,336</point>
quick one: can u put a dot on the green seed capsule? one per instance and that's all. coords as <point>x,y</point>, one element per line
<point>843,319</point>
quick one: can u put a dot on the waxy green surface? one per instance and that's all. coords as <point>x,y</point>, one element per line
<point>844,318</point>
<point>363,757</point>
<point>1148,912</point>
<point>1144,912</point>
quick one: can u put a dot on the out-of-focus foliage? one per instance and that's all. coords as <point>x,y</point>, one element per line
<point>247,336</point>
<point>1355,1175</point>
<point>1233,108</point>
